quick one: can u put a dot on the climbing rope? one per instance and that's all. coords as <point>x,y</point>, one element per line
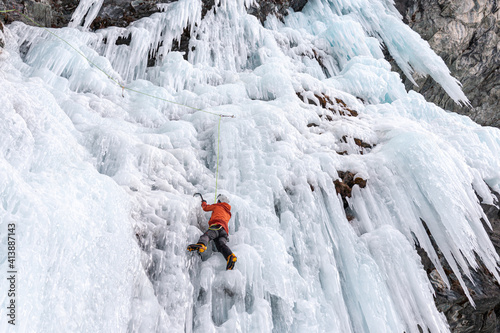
<point>217,172</point>
<point>136,91</point>
<point>109,76</point>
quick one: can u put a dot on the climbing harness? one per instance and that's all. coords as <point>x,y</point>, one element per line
<point>218,227</point>
<point>215,227</point>
<point>137,91</point>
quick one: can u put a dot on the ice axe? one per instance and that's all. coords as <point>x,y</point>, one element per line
<point>199,195</point>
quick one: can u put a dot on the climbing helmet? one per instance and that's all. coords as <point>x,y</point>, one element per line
<point>222,198</point>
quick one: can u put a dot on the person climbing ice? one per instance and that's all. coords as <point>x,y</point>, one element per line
<point>218,229</point>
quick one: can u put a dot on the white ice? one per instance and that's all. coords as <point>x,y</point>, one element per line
<point>85,13</point>
<point>100,185</point>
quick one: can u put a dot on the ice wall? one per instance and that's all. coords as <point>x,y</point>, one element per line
<point>101,185</point>
<point>74,245</point>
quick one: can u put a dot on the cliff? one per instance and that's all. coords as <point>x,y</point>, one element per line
<point>465,34</point>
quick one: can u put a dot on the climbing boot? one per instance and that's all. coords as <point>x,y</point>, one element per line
<point>231,260</point>
<point>200,247</point>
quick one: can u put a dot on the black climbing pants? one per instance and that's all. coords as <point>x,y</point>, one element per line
<point>219,237</point>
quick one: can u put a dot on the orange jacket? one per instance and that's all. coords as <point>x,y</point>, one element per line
<point>221,213</point>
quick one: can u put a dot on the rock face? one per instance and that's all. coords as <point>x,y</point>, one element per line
<point>278,7</point>
<point>2,42</point>
<point>43,12</point>
<point>465,33</point>
<point>120,13</point>
<point>462,316</point>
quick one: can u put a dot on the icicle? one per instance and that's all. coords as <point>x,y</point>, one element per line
<point>85,13</point>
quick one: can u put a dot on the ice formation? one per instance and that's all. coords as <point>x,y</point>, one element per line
<point>100,186</point>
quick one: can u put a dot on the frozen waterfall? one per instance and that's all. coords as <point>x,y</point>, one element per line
<point>98,180</point>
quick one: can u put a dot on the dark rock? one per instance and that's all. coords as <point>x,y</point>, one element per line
<point>343,189</point>
<point>336,107</point>
<point>120,13</point>
<point>360,182</point>
<point>361,143</point>
<point>461,315</point>
<point>41,12</point>
<point>277,7</point>
<point>183,44</point>
<point>465,33</point>
<point>2,42</point>
<point>358,142</point>
<point>207,5</point>
<point>493,214</point>
<point>343,186</point>
<point>484,289</point>
<point>124,40</point>
<point>345,183</point>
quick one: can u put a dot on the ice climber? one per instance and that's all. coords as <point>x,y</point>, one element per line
<point>217,230</point>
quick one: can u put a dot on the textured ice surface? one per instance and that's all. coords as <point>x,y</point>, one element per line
<point>100,186</point>
<point>85,13</point>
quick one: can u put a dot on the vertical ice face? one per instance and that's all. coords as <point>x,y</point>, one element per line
<point>381,20</point>
<point>77,263</point>
<point>100,179</point>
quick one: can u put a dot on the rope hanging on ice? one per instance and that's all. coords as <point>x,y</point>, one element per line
<point>137,91</point>
<point>217,171</point>
<point>109,76</point>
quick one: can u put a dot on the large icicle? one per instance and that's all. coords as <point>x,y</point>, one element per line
<point>380,19</point>
<point>85,13</point>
